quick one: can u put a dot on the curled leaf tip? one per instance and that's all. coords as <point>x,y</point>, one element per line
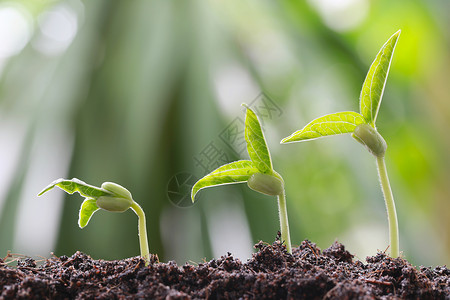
<point>193,196</point>
<point>289,139</point>
<point>50,186</point>
<point>285,140</point>
<point>245,105</point>
<point>43,191</point>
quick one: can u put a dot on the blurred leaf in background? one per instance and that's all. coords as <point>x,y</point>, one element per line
<point>148,94</point>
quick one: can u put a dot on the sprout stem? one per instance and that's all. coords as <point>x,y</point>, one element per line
<point>284,224</point>
<point>390,207</point>
<point>143,241</point>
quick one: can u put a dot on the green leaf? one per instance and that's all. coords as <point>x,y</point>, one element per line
<point>235,172</point>
<point>75,185</point>
<point>88,208</point>
<point>332,124</point>
<point>256,143</point>
<point>373,86</point>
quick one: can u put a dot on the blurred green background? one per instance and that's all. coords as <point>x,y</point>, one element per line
<point>147,94</point>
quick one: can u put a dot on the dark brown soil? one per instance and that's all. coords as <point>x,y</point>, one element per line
<point>271,273</point>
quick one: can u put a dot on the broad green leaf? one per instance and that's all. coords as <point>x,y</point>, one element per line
<point>373,86</point>
<point>75,185</point>
<point>332,124</point>
<point>256,143</point>
<point>88,208</point>
<point>235,172</point>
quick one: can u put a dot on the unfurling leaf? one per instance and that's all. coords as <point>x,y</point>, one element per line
<point>111,197</point>
<point>332,124</point>
<point>373,86</point>
<point>75,185</point>
<point>88,208</point>
<point>256,143</point>
<point>235,172</point>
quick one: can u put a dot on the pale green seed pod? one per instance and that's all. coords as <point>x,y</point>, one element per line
<point>117,189</point>
<point>114,204</point>
<point>120,202</point>
<point>371,139</point>
<point>266,184</point>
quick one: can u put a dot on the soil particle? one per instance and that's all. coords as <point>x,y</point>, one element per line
<point>271,273</point>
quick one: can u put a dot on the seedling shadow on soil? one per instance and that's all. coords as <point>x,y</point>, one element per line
<point>271,273</point>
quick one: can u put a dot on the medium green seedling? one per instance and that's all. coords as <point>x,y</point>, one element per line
<point>257,172</point>
<point>110,197</point>
<point>362,127</point>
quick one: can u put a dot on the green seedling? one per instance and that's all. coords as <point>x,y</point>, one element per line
<point>362,127</point>
<point>257,172</point>
<point>110,197</point>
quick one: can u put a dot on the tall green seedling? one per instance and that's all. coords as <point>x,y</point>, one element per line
<point>110,197</point>
<point>257,172</point>
<point>362,127</point>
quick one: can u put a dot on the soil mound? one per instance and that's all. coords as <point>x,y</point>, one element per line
<point>271,273</point>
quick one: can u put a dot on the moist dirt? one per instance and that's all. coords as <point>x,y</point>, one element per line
<point>271,273</point>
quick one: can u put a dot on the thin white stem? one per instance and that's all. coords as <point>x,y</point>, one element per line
<point>284,224</point>
<point>143,241</point>
<point>390,207</point>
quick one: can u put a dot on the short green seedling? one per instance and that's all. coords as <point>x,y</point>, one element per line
<point>257,172</point>
<point>362,127</point>
<point>110,197</point>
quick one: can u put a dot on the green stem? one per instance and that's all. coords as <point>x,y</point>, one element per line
<point>143,241</point>
<point>390,207</point>
<point>284,224</point>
